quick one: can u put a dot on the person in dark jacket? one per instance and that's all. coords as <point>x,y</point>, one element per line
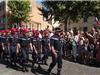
<point>45,47</point>
<point>23,46</point>
<point>57,44</point>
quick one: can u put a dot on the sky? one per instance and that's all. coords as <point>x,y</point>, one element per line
<point>1,0</point>
<point>39,0</point>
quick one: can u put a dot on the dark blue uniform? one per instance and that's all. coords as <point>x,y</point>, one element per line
<point>13,43</point>
<point>45,48</point>
<point>6,51</point>
<point>58,45</point>
<point>37,42</point>
<point>34,54</point>
<point>1,50</point>
<point>24,43</point>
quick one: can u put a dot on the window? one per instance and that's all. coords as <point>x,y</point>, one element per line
<point>0,8</point>
<point>3,6</point>
<point>30,8</point>
<point>2,20</point>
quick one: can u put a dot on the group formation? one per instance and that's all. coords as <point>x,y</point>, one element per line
<point>17,44</point>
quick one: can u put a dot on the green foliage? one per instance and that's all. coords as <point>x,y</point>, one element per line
<point>65,11</point>
<point>19,10</point>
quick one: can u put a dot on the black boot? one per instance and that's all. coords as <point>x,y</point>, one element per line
<point>15,64</point>
<point>26,69</point>
<point>59,72</point>
<point>39,67</point>
<point>23,69</point>
<point>45,62</point>
<point>32,66</point>
<point>49,71</point>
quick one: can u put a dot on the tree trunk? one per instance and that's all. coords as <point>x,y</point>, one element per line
<point>17,25</point>
<point>66,25</point>
<point>20,23</point>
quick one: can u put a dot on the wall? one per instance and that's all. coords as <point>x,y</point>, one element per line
<point>2,13</point>
<point>79,25</point>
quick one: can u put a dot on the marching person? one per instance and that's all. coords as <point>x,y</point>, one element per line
<point>5,45</point>
<point>37,49</point>
<point>34,51</point>
<point>13,42</point>
<point>2,34</point>
<point>23,46</point>
<point>57,51</point>
<point>45,47</point>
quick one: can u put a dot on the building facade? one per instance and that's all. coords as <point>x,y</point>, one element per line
<point>81,24</point>
<point>2,14</point>
<point>36,19</point>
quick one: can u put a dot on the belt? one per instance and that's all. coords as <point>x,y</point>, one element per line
<point>24,47</point>
<point>57,51</point>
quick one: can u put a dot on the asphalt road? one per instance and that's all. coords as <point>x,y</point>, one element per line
<point>69,68</point>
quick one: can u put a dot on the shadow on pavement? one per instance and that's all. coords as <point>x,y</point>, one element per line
<point>8,65</point>
<point>40,71</point>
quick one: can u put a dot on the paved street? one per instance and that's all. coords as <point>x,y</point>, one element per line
<point>69,68</point>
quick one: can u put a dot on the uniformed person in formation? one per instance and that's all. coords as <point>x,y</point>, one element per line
<point>13,42</point>
<point>5,45</point>
<point>37,49</point>
<point>45,46</point>
<point>57,51</point>
<point>23,46</point>
<point>34,51</point>
<point>2,33</point>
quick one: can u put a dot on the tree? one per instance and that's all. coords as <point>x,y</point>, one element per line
<point>66,11</point>
<point>19,11</point>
